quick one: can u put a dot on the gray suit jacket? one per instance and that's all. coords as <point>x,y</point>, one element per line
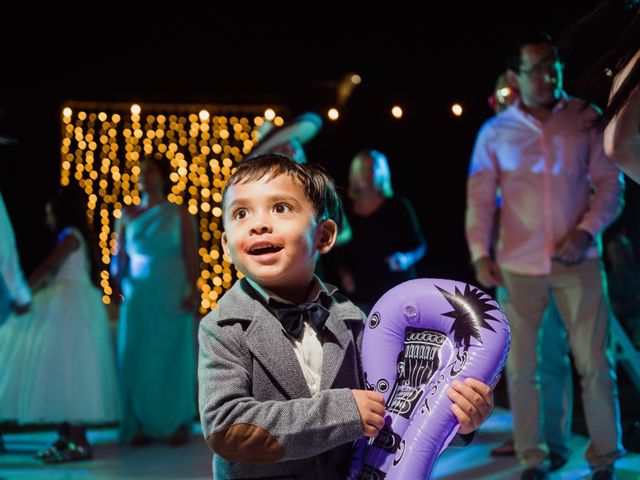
<point>257,413</point>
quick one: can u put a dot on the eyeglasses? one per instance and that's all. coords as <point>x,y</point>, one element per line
<point>543,68</point>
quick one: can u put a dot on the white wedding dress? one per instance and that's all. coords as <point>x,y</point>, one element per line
<point>57,360</point>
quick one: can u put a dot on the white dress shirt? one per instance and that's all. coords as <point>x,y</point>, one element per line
<point>308,348</point>
<point>553,176</point>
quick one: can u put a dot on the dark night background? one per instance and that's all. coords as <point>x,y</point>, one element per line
<point>182,53</point>
<point>185,53</point>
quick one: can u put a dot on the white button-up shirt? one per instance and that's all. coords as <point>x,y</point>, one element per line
<point>553,176</point>
<point>308,348</point>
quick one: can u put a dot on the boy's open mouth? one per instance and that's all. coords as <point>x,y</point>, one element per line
<point>264,249</point>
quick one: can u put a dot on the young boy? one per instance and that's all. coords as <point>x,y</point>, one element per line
<point>279,371</point>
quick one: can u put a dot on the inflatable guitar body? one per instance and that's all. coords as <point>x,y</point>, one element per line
<point>420,336</point>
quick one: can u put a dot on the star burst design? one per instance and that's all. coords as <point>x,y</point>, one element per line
<point>469,313</point>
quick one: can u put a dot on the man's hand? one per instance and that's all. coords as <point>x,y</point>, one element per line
<point>371,407</point>
<point>487,272</point>
<point>472,403</point>
<point>572,249</point>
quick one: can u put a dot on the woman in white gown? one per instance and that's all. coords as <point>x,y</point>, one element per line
<point>57,360</point>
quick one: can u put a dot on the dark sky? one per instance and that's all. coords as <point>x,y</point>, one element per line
<point>216,55</point>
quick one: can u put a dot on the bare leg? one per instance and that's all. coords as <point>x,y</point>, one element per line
<point>78,434</point>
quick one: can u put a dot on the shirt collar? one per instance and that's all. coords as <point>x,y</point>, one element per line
<point>318,288</point>
<point>562,101</point>
<point>560,104</point>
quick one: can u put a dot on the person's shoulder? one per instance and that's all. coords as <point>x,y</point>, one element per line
<point>183,212</point>
<point>582,106</point>
<point>507,116</point>
<point>235,308</point>
<point>228,330</point>
<point>344,308</point>
<point>68,240</point>
<point>130,209</point>
<point>492,126</point>
<point>70,235</point>
<point>130,212</point>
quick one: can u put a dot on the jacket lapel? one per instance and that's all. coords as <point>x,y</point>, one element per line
<point>273,350</point>
<point>337,338</point>
<point>270,346</point>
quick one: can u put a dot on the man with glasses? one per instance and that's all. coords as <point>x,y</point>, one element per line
<point>556,377</point>
<point>559,191</point>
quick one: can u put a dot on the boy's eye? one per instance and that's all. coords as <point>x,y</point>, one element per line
<point>240,213</point>
<point>282,208</point>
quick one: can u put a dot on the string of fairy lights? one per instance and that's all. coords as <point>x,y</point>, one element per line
<point>101,149</point>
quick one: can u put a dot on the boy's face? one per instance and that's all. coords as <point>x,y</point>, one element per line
<point>272,234</point>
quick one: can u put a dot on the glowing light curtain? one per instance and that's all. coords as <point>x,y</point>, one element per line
<point>101,148</point>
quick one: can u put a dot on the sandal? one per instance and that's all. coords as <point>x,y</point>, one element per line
<point>51,449</point>
<point>72,452</point>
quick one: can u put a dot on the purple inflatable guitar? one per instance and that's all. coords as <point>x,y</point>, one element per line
<point>420,336</point>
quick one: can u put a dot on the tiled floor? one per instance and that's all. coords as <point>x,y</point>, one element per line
<point>111,460</point>
<point>474,462</point>
<point>158,461</point>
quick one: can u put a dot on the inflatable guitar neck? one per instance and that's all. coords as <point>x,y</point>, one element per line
<point>420,336</point>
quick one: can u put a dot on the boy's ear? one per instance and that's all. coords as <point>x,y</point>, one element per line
<point>328,235</point>
<point>225,244</point>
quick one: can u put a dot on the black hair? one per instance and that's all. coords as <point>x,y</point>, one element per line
<point>610,34</point>
<point>163,166</point>
<point>317,184</point>
<point>513,57</point>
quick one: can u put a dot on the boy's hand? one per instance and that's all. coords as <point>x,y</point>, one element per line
<point>371,408</point>
<point>472,403</point>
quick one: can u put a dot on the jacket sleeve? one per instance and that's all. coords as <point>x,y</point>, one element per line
<point>241,429</point>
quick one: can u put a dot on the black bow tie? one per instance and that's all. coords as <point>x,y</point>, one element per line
<point>293,317</point>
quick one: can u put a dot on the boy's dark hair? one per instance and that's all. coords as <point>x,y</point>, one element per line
<point>513,57</point>
<point>318,186</point>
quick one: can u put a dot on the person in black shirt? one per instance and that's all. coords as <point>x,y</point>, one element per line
<point>386,240</point>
